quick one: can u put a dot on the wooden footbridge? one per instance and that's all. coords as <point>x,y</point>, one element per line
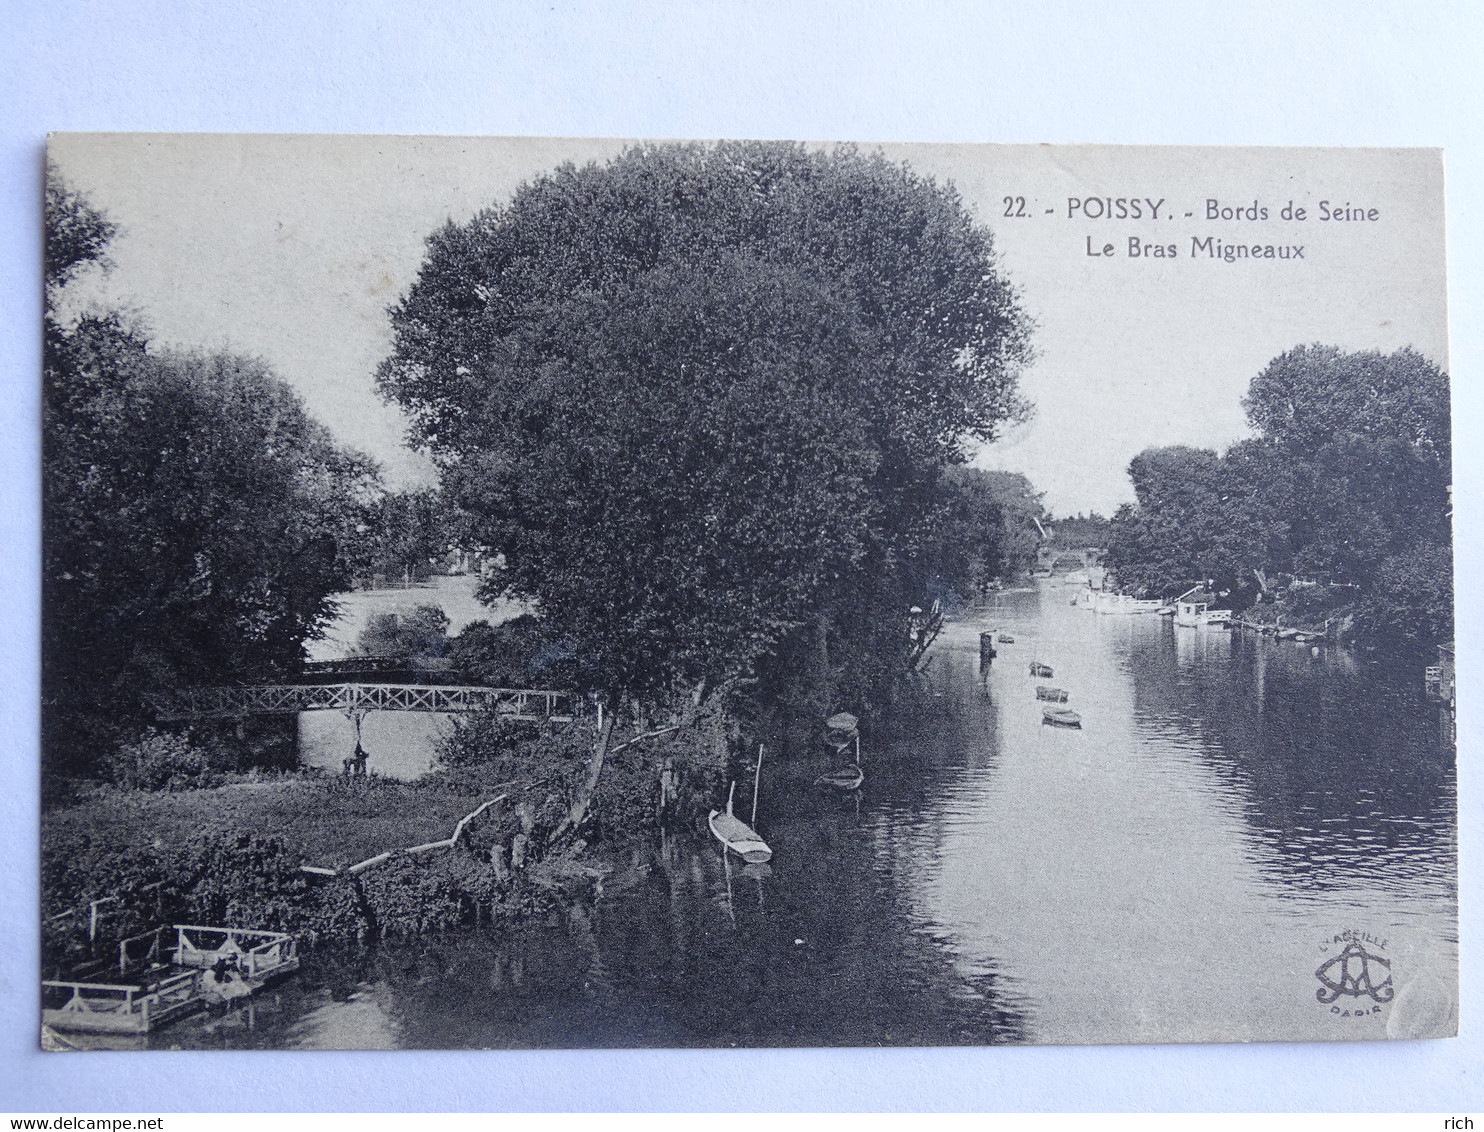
<point>356,699</point>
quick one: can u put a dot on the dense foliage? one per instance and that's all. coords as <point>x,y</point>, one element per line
<point>987,529</point>
<point>420,633</point>
<point>702,394</point>
<point>1079,531</point>
<point>407,534</point>
<point>1346,484</point>
<point>193,514</point>
<point>519,653</point>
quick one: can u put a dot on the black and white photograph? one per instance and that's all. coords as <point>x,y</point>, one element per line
<point>555,593</point>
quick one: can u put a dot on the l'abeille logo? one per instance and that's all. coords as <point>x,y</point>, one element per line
<point>1356,971</point>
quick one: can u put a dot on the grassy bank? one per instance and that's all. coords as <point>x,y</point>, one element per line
<point>233,853</point>
<point>327,821</point>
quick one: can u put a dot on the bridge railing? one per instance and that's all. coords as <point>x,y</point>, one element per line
<point>230,702</point>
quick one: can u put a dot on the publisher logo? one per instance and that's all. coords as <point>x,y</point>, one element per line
<point>1358,971</point>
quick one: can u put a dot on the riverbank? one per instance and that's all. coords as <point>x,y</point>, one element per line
<point>327,856</point>
<point>326,820</point>
<point>234,854</point>
<point>1230,800</point>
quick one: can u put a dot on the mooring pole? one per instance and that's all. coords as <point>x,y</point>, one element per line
<point>756,779</point>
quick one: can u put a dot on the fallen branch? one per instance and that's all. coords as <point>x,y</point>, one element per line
<point>381,858</point>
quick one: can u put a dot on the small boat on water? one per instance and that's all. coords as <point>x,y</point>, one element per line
<point>1060,717</point>
<point>846,778</point>
<point>1052,695</point>
<point>1041,670</point>
<point>1005,639</point>
<point>841,730</point>
<point>737,835</point>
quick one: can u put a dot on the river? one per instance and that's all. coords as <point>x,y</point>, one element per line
<point>400,744</point>
<point>1233,814</point>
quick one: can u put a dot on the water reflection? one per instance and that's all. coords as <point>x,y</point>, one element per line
<point>1178,869</point>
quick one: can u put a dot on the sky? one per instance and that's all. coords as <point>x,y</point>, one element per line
<point>292,247</point>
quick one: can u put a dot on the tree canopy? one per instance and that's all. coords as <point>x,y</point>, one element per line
<point>1346,482</point>
<point>691,393</point>
<point>193,514</point>
<point>987,530</point>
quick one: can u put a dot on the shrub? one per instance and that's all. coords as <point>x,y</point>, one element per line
<point>420,633</point>
<point>409,896</point>
<point>520,653</point>
<point>485,737</point>
<point>162,760</point>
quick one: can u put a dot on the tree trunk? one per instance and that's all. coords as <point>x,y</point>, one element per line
<point>584,799</point>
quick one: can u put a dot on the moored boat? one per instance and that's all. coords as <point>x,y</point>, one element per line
<point>1125,604</point>
<point>1051,695</point>
<point>1060,717</point>
<point>119,1008</point>
<point>1041,670</point>
<point>736,835</point>
<point>846,778</point>
<point>154,983</point>
<point>1193,609</point>
<point>841,730</point>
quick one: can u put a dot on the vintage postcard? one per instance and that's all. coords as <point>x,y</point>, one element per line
<point>533,593</point>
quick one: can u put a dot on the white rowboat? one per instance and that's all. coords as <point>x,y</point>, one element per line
<point>737,835</point>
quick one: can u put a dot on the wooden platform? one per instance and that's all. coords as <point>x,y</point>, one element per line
<point>119,1008</point>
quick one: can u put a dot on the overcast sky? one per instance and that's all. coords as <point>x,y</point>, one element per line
<point>291,248</point>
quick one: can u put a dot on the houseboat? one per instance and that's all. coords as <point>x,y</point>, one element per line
<point>1193,609</point>
<point>134,1007</point>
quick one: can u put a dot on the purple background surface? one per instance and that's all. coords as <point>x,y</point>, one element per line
<point>1262,73</point>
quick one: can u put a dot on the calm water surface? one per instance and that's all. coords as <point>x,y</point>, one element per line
<point>400,744</point>
<point>1176,870</point>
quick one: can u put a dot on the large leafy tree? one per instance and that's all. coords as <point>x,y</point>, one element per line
<point>1347,480</point>
<point>1200,517</point>
<point>988,528</point>
<point>194,517</point>
<point>1165,541</point>
<point>700,394</point>
<point>1368,437</point>
<point>404,532</point>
